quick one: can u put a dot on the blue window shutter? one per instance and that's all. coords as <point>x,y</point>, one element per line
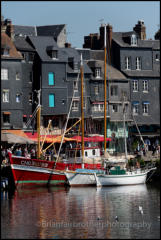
<point>51,78</point>
<point>51,100</point>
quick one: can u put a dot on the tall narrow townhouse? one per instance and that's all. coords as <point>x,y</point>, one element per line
<point>139,60</point>
<point>11,80</point>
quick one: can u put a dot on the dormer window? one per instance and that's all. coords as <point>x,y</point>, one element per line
<point>52,52</point>
<point>133,40</point>
<point>5,51</point>
<point>98,72</point>
<point>75,66</point>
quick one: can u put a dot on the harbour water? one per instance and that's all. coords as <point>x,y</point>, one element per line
<point>74,213</point>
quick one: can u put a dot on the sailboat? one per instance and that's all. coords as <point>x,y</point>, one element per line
<point>36,172</point>
<point>118,177</point>
<point>86,177</point>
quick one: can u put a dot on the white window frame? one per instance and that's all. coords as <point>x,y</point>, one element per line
<point>98,72</point>
<point>135,109</point>
<point>127,63</point>
<point>133,40</point>
<point>4,74</point>
<point>97,107</point>
<point>75,86</point>
<point>145,85</point>
<point>5,95</point>
<point>75,105</point>
<point>157,57</point>
<point>114,90</point>
<point>18,95</point>
<point>113,108</point>
<point>138,63</point>
<point>145,108</point>
<point>17,75</point>
<point>96,90</point>
<point>135,85</point>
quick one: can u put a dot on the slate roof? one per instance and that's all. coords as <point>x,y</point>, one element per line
<point>22,44</point>
<point>118,38</point>
<point>7,42</point>
<point>24,30</point>
<point>50,30</point>
<point>41,43</point>
<point>111,72</point>
<point>73,53</point>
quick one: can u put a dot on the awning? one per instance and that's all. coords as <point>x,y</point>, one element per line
<point>145,102</point>
<point>6,113</point>
<point>47,138</point>
<point>135,102</point>
<point>91,139</point>
<point>11,137</point>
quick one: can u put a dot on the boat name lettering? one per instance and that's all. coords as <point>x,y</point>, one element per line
<point>33,163</point>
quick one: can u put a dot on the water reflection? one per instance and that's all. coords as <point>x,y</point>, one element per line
<point>61,212</point>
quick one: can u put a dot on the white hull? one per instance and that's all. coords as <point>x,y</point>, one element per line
<point>80,179</point>
<point>130,178</point>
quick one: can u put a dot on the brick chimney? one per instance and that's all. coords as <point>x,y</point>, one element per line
<point>140,29</point>
<point>67,45</point>
<point>9,28</point>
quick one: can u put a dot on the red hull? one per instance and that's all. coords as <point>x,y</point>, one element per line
<point>35,172</point>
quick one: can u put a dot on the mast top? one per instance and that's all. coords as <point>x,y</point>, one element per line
<point>81,60</point>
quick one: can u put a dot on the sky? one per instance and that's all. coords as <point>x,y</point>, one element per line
<point>84,17</point>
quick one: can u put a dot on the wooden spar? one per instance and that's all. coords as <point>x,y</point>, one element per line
<point>82,111</point>
<point>105,90</point>
<point>38,125</point>
<point>62,135</point>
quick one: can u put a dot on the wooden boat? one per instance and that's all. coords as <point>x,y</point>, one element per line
<point>118,177</point>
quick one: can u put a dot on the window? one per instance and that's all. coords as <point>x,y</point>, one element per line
<point>51,78</point>
<point>24,121</point>
<point>96,90</point>
<point>138,63</point>
<point>75,105</point>
<point>145,108</point>
<point>17,97</point>
<point>5,51</point>
<point>135,85</point>
<point>30,98</point>
<point>114,108</point>
<point>4,74</point>
<point>93,152</point>
<point>135,108</point>
<point>31,77</point>
<point>114,90</point>
<point>51,100</point>
<point>5,95</point>
<point>127,63</point>
<point>98,72</point>
<point>145,85</point>
<point>98,107</point>
<point>6,118</point>
<point>133,40</point>
<point>17,76</point>
<point>75,66</point>
<point>54,54</point>
<point>75,85</point>
<point>157,57</point>
<point>31,57</point>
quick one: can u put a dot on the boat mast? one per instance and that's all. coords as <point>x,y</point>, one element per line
<point>125,142</point>
<point>82,111</point>
<point>105,90</point>
<point>38,123</point>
